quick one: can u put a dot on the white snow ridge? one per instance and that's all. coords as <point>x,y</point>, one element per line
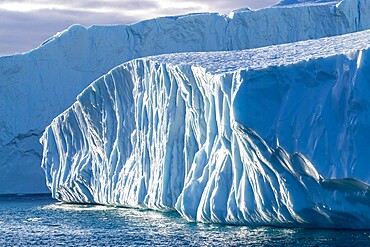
<point>197,133</point>
<point>257,118</point>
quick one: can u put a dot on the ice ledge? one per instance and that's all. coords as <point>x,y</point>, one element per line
<point>260,58</point>
<point>154,134</point>
<point>300,3</point>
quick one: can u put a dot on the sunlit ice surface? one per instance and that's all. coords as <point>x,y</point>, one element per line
<point>40,220</point>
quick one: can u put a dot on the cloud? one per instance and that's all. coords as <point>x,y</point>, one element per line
<point>24,31</point>
<point>260,4</point>
<point>122,5</point>
<point>25,24</point>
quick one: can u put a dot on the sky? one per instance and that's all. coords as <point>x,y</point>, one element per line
<point>25,24</point>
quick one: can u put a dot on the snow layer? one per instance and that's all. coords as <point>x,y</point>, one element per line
<point>244,137</point>
<point>301,2</point>
<point>37,86</point>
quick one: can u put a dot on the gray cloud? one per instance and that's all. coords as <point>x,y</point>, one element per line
<point>21,31</point>
<point>91,4</point>
<point>122,5</point>
<point>260,4</point>
<point>24,31</point>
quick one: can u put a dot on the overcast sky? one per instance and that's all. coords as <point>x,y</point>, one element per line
<point>25,24</point>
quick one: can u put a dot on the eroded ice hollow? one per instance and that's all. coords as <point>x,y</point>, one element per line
<point>37,86</point>
<point>269,136</point>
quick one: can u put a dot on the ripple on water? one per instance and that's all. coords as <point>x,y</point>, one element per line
<point>44,222</point>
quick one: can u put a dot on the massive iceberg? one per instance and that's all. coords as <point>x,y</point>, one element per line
<point>35,87</point>
<point>268,136</point>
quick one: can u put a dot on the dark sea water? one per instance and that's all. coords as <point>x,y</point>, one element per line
<point>41,221</point>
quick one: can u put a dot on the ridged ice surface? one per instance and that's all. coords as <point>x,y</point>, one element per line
<point>35,87</point>
<point>269,136</point>
<point>301,2</point>
<point>271,56</point>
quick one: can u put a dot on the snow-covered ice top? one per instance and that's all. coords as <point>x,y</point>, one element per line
<point>192,132</point>
<point>301,2</point>
<point>260,58</point>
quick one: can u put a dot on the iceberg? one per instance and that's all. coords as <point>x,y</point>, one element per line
<point>36,86</point>
<point>267,136</point>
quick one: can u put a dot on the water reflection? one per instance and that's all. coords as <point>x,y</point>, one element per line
<point>42,221</point>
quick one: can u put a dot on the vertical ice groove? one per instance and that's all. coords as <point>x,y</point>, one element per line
<point>179,137</point>
<point>66,63</point>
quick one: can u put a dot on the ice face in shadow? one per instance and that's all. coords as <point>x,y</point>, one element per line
<point>192,132</point>
<point>37,86</point>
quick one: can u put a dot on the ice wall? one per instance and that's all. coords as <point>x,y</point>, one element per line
<point>242,137</point>
<point>35,87</point>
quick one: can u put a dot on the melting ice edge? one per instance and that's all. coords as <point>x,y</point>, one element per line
<point>206,135</point>
<point>267,136</point>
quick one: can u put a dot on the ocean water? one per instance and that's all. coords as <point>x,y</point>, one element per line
<point>42,221</point>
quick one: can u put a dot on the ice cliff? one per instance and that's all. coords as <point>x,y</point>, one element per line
<point>268,136</point>
<point>35,87</point>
